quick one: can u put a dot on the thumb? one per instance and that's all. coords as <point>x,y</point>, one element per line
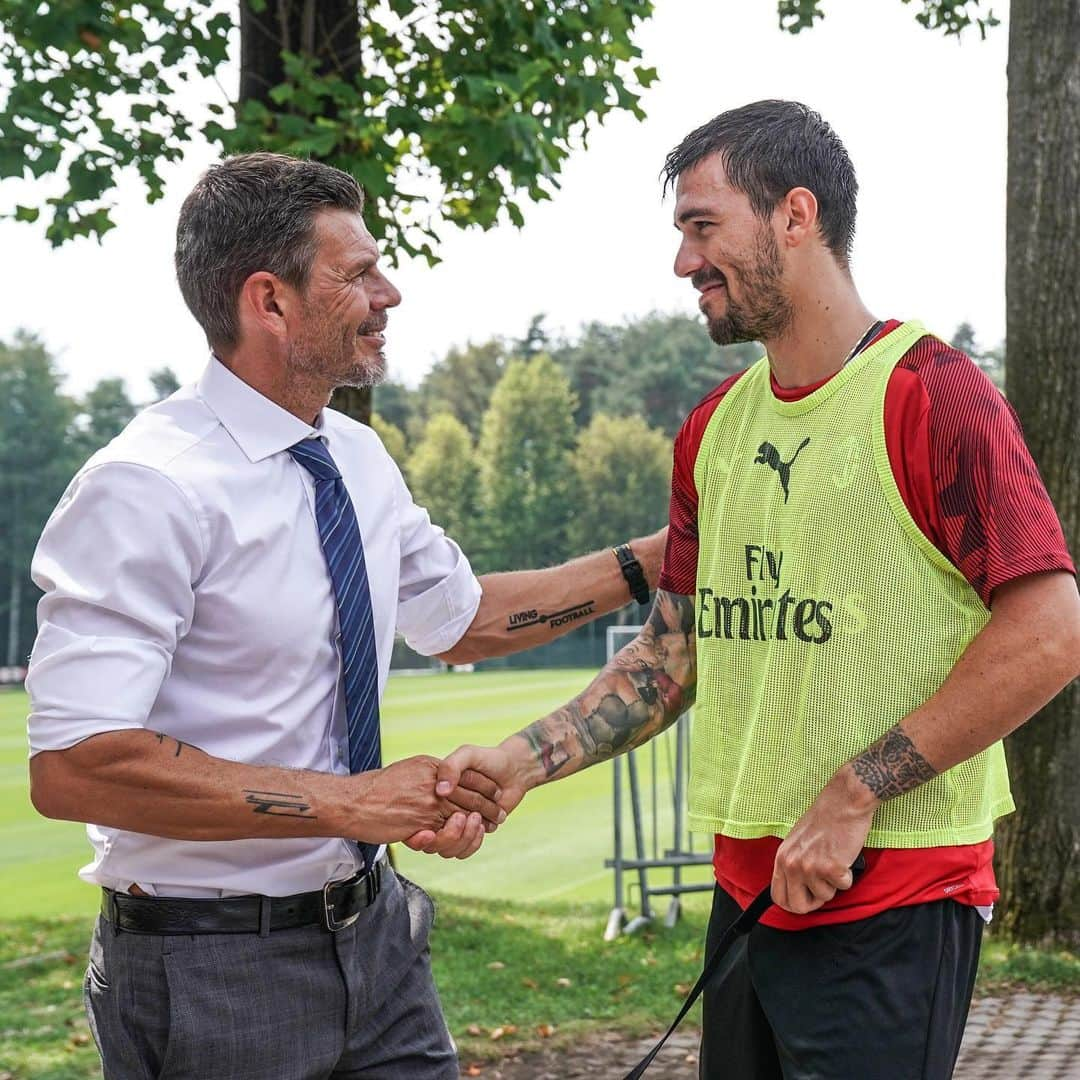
<point>448,775</point>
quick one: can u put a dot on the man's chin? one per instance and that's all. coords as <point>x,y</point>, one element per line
<point>369,372</point>
<point>724,331</point>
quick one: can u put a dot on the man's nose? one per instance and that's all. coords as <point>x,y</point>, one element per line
<point>387,295</point>
<point>687,260</point>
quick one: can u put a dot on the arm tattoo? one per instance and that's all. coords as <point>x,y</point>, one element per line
<point>547,744</point>
<point>521,620</point>
<point>892,765</point>
<point>640,693</point>
<point>179,745</point>
<point>279,804</point>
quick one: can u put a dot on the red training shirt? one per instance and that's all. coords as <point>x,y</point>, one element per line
<point>967,479</point>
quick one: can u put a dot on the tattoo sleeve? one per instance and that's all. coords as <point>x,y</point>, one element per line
<point>642,691</point>
<point>892,765</point>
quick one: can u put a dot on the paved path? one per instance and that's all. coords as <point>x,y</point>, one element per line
<point>1020,1037</point>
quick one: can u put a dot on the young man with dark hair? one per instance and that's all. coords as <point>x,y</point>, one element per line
<point>222,584</point>
<point>865,588</point>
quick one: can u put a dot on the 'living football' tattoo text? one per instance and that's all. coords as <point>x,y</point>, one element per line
<point>892,765</point>
<point>279,804</point>
<point>520,620</point>
<point>642,691</point>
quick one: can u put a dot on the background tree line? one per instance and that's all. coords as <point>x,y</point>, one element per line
<point>527,451</point>
<point>45,435</point>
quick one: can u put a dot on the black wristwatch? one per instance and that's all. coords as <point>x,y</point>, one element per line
<point>631,570</point>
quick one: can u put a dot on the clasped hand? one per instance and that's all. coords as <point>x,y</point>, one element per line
<point>478,786</point>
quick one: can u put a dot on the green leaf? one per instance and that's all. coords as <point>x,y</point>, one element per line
<point>280,95</point>
<point>483,98</point>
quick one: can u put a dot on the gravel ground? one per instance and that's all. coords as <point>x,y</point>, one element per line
<point>1023,1035</point>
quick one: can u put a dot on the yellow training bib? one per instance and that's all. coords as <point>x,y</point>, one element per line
<point>824,616</point>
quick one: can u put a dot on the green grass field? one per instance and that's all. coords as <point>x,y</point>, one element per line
<point>527,960</point>
<point>530,957</point>
<point>553,848</point>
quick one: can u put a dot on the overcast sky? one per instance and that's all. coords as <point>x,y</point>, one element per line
<point>922,116</point>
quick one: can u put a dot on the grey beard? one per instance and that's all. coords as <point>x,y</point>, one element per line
<point>370,375</point>
<point>311,366</point>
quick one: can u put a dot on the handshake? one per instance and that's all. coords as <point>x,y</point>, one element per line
<point>444,807</point>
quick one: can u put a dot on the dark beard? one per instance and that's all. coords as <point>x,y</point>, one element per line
<point>765,312</point>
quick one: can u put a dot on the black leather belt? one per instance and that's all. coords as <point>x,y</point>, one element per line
<point>336,905</point>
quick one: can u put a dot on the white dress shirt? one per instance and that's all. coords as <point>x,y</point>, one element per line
<point>186,592</point>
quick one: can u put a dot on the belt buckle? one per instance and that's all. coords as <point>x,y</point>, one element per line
<point>330,921</point>
<point>374,882</point>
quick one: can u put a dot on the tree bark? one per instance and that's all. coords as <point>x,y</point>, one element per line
<point>328,30</point>
<point>1039,846</point>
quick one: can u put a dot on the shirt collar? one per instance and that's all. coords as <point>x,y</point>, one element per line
<point>260,427</point>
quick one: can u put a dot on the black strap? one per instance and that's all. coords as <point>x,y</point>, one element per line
<point>742,925</point>
<point>632,573</point>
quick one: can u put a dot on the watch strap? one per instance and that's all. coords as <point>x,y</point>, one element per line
<point>633,573</point>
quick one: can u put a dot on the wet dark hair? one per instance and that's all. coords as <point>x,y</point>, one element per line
<point>769,147</point>
<point>249,213</point>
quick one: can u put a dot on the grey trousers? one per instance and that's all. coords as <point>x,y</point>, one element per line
<point>299,1004</point>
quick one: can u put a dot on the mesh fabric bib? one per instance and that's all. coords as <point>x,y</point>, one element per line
<point>824,615</point>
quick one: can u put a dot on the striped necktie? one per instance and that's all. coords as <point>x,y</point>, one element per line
<point>344,551</point>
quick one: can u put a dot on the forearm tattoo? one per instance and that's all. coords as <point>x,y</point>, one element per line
<point>279,804</point>
<point>892,765</point>
<point>179,745</point>
<point>522,620</point>
<point>643,690</point>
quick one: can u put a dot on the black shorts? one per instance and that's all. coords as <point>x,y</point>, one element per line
<point>884,998</point>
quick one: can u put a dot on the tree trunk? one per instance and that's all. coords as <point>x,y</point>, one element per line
<point>1039,846</point>
<point>354,401</point>
<point>329,30</point>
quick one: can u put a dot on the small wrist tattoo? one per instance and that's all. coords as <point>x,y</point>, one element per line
<point>161,737</point>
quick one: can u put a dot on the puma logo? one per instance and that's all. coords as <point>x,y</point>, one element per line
<point>767,454</point>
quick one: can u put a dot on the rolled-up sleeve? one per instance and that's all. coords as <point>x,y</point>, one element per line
<point>438,593</point>
<point>117,563</point>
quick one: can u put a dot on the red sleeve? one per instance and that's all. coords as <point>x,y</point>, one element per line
<point>964,472</point>
<point>679,572</point>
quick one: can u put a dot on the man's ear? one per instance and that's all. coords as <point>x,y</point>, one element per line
<point>266,304</point>
<point>800,216</point>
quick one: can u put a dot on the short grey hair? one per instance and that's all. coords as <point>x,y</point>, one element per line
<point>249,213</point>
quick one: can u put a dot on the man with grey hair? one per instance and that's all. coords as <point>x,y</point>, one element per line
<point>223,583</point>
